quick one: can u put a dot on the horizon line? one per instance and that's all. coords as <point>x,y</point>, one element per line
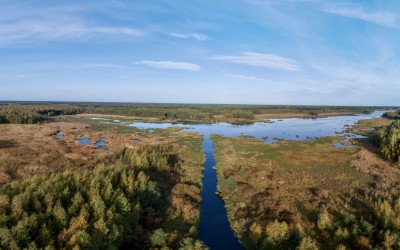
<point>199,103</point>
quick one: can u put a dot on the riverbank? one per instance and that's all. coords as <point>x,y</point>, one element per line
<point>233,114</point>
<point>292,193</point>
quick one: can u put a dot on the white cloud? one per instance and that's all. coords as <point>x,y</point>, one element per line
<point>29,25</point>
<point>116,31</point>
<point>260,2</point>
<point>244,77</point>
<point>171,65</point>
<point>28,31</point>
<point>262,60</point>
<point>104,65</point>
<point>382,18</point>
<point>197,36</point>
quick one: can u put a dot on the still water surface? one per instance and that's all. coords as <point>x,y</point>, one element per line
<point>215,230</point>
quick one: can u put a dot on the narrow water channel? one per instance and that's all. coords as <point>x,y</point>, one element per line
<point>215,230</point>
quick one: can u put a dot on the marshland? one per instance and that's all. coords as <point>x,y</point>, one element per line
<point>71,177</point>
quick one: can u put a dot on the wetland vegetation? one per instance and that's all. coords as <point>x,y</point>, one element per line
<point>144,190</point>
<point>310,195</point>
<point>392,114</point>
<point>29,113</point>
<point>59,194</point>
<point>237,114</point>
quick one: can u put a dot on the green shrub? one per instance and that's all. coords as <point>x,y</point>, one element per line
<point>388,140</point>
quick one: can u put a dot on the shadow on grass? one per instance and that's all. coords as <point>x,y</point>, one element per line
<point>8,144</point>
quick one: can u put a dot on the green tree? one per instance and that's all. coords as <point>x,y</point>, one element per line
<point>191,244</point>
<point>159,238</point>
<point>308,243</point>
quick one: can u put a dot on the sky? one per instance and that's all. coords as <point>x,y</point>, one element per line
<point>282,52</point>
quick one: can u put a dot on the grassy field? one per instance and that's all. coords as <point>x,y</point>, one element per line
<point>292,194</point>
<point>367,127</point>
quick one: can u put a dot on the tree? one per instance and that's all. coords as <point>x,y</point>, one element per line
<point>158,238</point>
<point>277,231</point>
<point>324,221</point>
<point>388,140</point>
<point>307,243</point>
<point>191,244</point>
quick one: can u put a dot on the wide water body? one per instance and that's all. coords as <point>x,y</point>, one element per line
<point>215,230</point>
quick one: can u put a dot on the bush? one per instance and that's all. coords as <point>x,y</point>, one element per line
<point>388,140</point>
<point>392,114</point>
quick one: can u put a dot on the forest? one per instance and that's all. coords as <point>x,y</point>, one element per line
<point>108,207</point>
<point>58,194</point>
<point>35,113</point>
<point>213,112</point>
<point>30,113</point>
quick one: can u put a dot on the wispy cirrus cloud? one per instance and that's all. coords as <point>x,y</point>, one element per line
<point>104,65</point>
<point>28,31</point>
<point>378,17</point>
<point>196,36</point>
<point>171,65</point>
<point>29,25</point>
<point>244,77</point>
<point>260,2</point>
<point>270,61</point>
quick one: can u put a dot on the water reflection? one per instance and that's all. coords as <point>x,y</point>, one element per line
<point>214,228</point>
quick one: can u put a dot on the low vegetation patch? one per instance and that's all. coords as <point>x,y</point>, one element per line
<point>307,195</point>
<point>392,114</point>
<point>388,140</point>
<point>369,126</point>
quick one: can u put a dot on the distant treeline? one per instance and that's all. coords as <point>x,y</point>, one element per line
<point>184,113</point>
<point>37,112</point>
<point>127,205</point>
<point>209,112</point>
<point>392,114</point>
<point>34,113</point>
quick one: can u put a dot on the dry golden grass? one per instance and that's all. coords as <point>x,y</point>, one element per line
<point>26,150</point>
<point>291,180</point>
<point>365,127</point>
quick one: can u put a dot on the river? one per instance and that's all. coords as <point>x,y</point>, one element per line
<point>215,230</point>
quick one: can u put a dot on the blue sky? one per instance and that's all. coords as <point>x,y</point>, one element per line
<point>201,51</point>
